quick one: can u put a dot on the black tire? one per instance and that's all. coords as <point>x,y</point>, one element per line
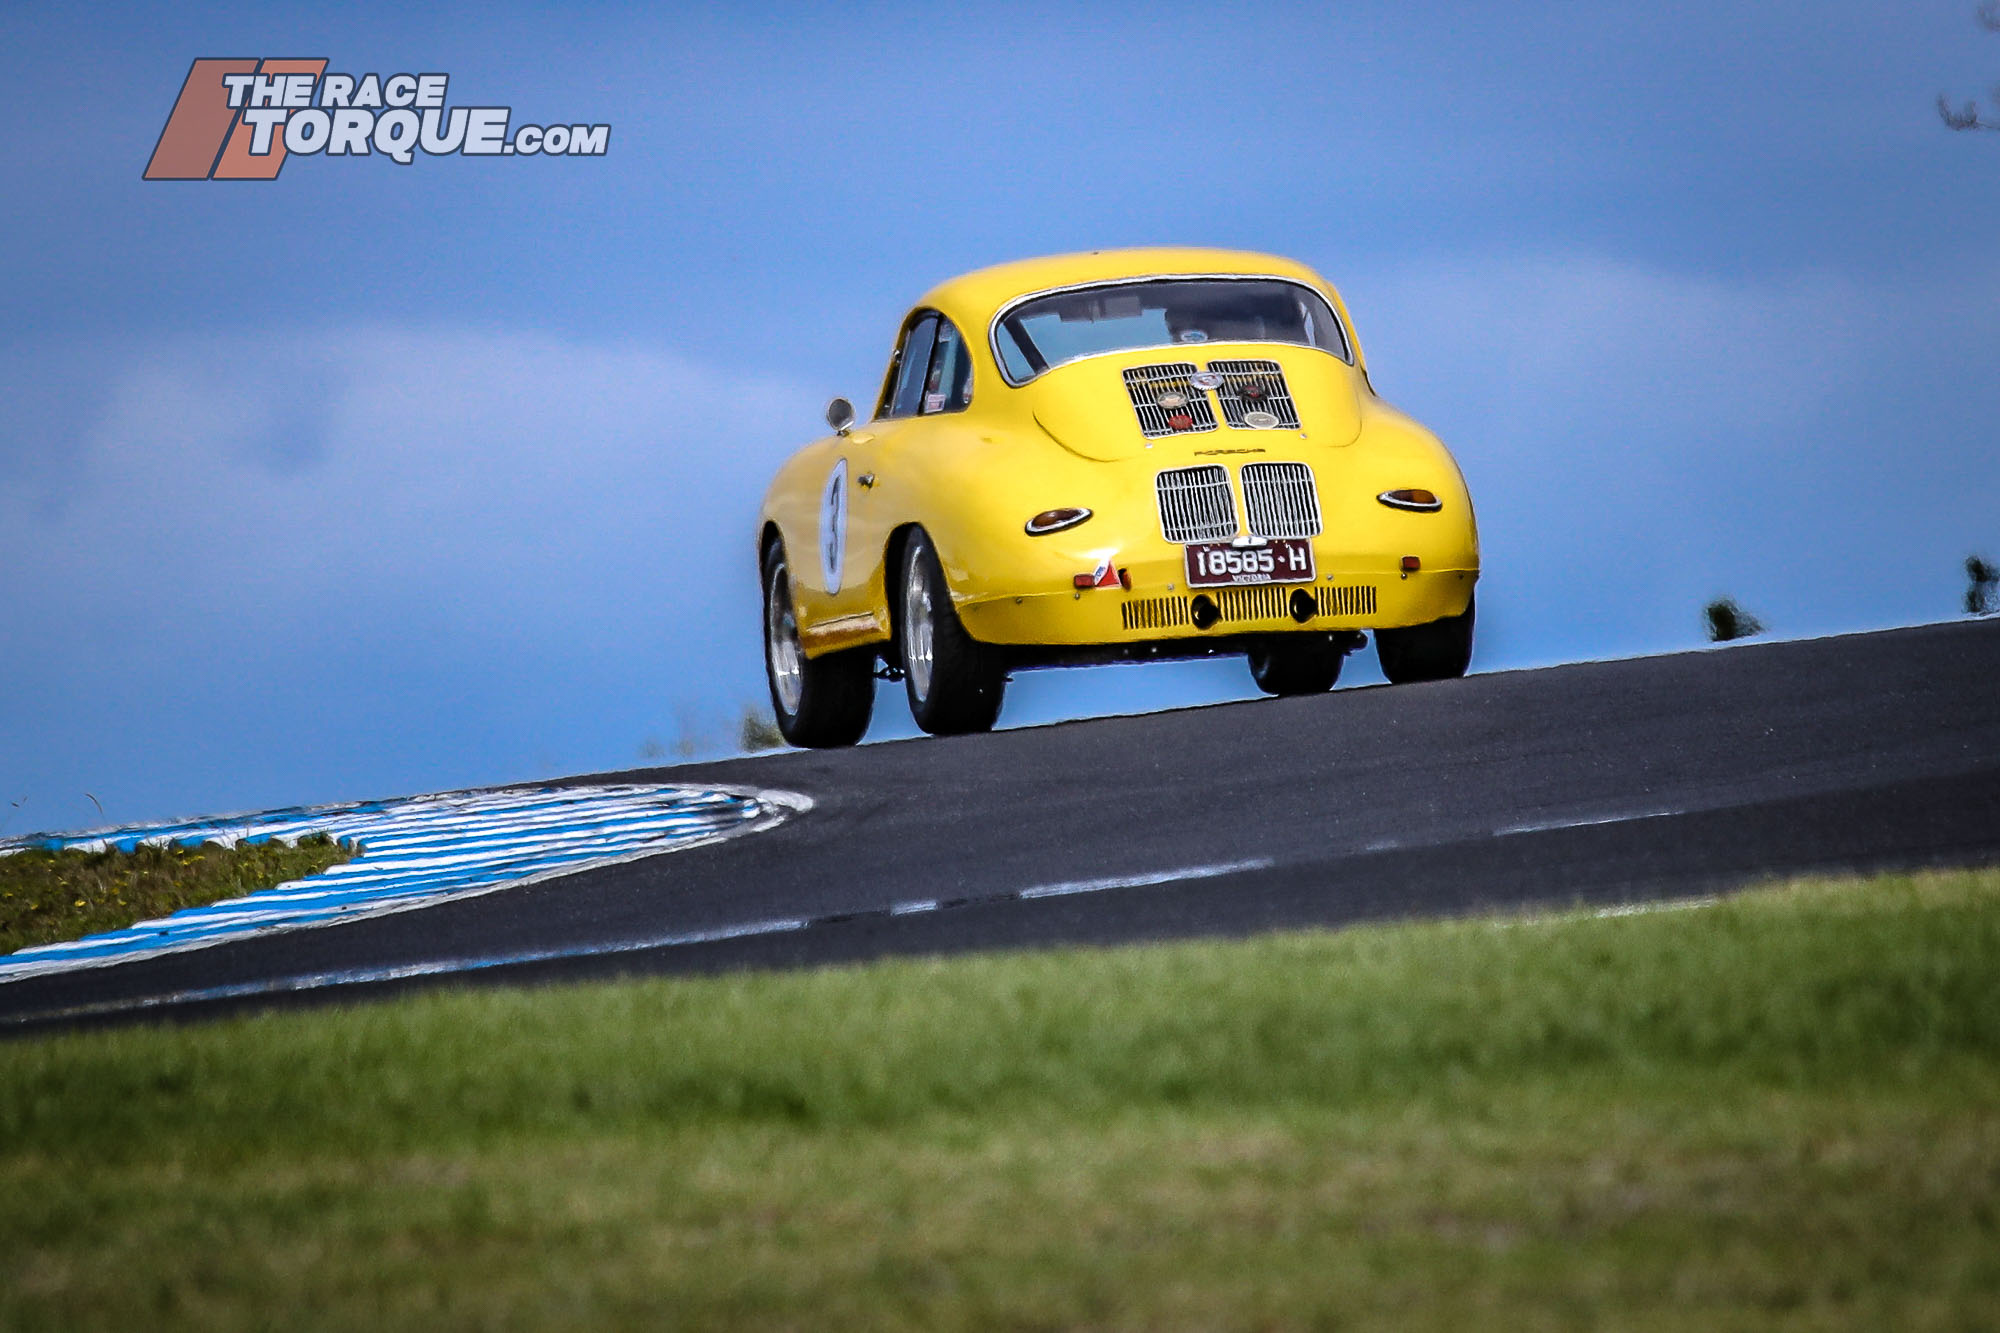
<point>1441,650</point>
<point>1296,664</point>
<point>955,682</point>
<point>821,702</point>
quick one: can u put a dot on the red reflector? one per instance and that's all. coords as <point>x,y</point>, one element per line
<point>1411,564</point>
<point>1104,576</point>
<point>1180,420</point>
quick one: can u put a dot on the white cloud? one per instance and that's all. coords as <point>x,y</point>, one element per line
<point>1639,440</point>
<point>1560,346</point>
<point>436,555</point>
<point>399,463</point>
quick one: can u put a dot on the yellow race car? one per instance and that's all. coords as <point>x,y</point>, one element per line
<point>1127,455</point>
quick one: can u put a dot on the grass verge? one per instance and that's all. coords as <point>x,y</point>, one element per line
<point>1778,1111</point>
<point>48,896</point>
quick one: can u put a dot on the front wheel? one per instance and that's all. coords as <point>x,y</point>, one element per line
<point>1296,664</point>
<point>954,681</point>
<point>822,702</point>
<point>1441,650</point>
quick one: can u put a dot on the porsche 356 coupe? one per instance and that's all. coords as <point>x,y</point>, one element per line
<point>1127,455</point>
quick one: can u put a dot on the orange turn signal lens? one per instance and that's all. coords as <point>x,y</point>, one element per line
<point>1055,520</point>
<point>1421,501</point>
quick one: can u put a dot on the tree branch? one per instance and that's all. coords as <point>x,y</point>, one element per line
<point>1966,117</point>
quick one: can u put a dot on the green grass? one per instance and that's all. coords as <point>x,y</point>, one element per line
<point>1779,1111</point>
<point>49,896</point>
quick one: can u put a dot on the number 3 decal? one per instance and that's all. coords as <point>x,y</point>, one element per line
<point>833,526</point>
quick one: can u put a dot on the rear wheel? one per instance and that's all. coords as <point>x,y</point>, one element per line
<point>954,681</point>
<point>821,702</point>
<point>1441,650</point>
<point>1296,664</point>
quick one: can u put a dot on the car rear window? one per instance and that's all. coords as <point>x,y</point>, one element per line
<point>1043,332</point>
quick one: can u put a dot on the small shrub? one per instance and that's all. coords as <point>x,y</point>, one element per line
<point>1727,620</point>
<point>1982,593</point>
<point>760,732</point>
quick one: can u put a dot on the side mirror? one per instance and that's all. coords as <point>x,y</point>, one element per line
<point>840,415</point>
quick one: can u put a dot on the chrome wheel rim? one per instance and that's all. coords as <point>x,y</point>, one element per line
<point>782,656</point>
<point>917,631</point>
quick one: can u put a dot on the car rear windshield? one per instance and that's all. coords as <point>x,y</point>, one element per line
<point>1046,331</point>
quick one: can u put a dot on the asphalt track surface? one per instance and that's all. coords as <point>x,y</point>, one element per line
<point>1604,783</point>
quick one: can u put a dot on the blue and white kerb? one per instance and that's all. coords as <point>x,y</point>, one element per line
<point>414,852</point>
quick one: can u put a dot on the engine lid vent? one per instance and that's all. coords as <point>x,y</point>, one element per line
<point>1280,500</point>
<point>1196,504</point>
<point>1165,402</point>
<point>1253,386</point>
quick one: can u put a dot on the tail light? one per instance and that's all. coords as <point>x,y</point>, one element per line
<point>1055,520</point>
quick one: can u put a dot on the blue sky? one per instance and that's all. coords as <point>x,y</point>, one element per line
<point>381,479</point>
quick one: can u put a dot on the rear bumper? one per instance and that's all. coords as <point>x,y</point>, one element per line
<point>1340,600</point>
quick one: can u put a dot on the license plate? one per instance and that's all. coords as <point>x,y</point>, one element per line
<point>1280,560</point>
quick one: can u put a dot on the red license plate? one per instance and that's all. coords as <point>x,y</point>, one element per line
<point>1279,560</point>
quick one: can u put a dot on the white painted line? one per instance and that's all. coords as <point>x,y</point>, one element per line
<point>1537,918</point>
<point>1666,905</point>
<point>1141,881</point>
<point>1592,822</point>
<point>448,966</point>
<point>362,976</point>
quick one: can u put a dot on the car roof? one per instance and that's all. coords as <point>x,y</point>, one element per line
<point>979,294</point>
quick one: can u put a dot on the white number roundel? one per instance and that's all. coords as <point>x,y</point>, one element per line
<point>833,526</point>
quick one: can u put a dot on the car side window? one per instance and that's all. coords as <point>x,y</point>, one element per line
<point>913,359</point>
<point>948,387</point>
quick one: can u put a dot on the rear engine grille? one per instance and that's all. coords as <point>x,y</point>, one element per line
<point>1260,601</point>
<point>1155,613</point>
<point>1148,384</point>
<point>1254,386</point>
<point>1263,601</point>
<point>1196,504</point>
<point>1279,500</point>
<point>1345,601</point>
